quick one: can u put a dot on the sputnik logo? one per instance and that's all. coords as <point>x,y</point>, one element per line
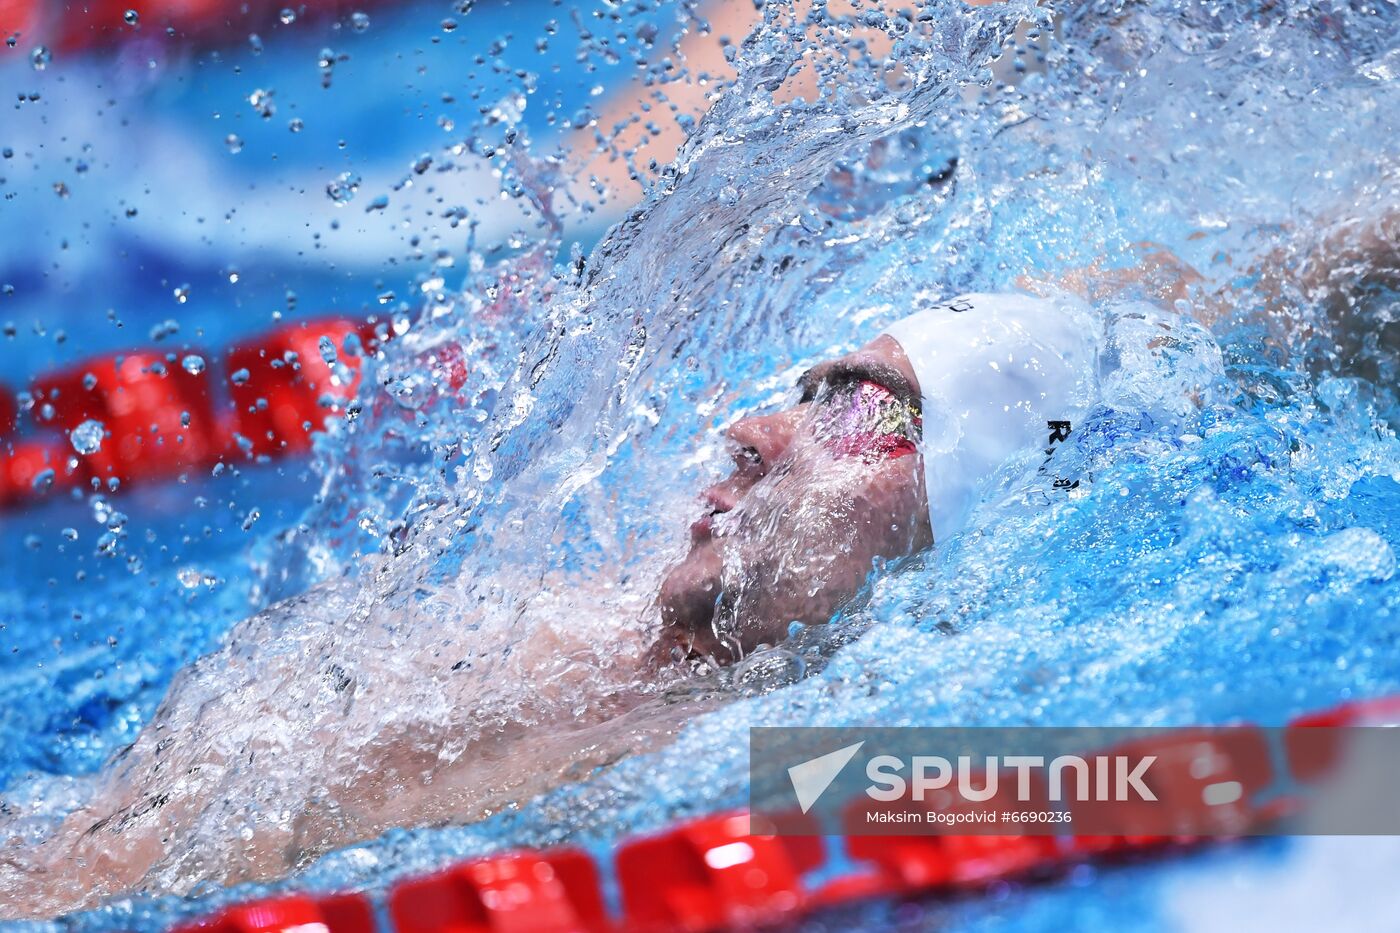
<point>811,778</point>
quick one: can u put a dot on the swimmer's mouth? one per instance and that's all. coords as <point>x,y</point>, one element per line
<point>703,529</point>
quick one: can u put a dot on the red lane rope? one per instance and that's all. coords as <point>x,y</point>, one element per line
<point>165,413</point>
<point>716,873</point>
<point>73,27</point>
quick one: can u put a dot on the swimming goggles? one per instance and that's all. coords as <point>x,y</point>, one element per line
<point>866,419</point>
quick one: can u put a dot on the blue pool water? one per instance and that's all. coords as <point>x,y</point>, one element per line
<point>1233,557</point>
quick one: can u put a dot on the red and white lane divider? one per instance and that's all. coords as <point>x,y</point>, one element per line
<point>98,23</point>
<point>164,413</point>
<point>715,874</point>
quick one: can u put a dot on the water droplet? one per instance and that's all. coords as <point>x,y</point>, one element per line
<point>343,188</point>
<point>193,364</point>
<point>287,16</point>
<point>261,99</point>
<point>255,43</point>
<point>87,437</point>
<point>234,144</point>
<point>295,125</point>
<point>327,348</point>
<point>40,57</point>
<point>168,327</point>
<point>359,21</point>
<point>182,293</point>
<point>70,534</point>
<point>131,18</point>
<point>240,377</point>
<point>251,518</point>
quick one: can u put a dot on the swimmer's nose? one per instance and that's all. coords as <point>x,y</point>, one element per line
<point>761,439</point>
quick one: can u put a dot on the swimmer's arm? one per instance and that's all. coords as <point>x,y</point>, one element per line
<point>1361,250</point>
<point>640,122</point>
<point>1331,266</point>
<point>1158,275</point>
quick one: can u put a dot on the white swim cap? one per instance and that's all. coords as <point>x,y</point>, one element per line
<point>998,374</point>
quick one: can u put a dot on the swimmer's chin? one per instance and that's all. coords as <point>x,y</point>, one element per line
<point>691,588</point>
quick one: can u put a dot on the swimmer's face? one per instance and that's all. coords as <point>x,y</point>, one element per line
<point>818,493</point>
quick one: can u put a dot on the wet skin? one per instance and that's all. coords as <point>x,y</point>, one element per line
<point>797,527</point>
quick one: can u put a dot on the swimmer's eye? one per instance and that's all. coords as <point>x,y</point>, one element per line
<point>864,417</point>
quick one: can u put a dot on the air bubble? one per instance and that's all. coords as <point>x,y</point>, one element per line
<point>131,18</point>
<point>193,364</point>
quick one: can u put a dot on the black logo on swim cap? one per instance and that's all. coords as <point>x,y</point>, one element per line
<point>1059,432</point>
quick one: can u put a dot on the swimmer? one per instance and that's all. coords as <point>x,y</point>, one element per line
<point>318,724</point>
